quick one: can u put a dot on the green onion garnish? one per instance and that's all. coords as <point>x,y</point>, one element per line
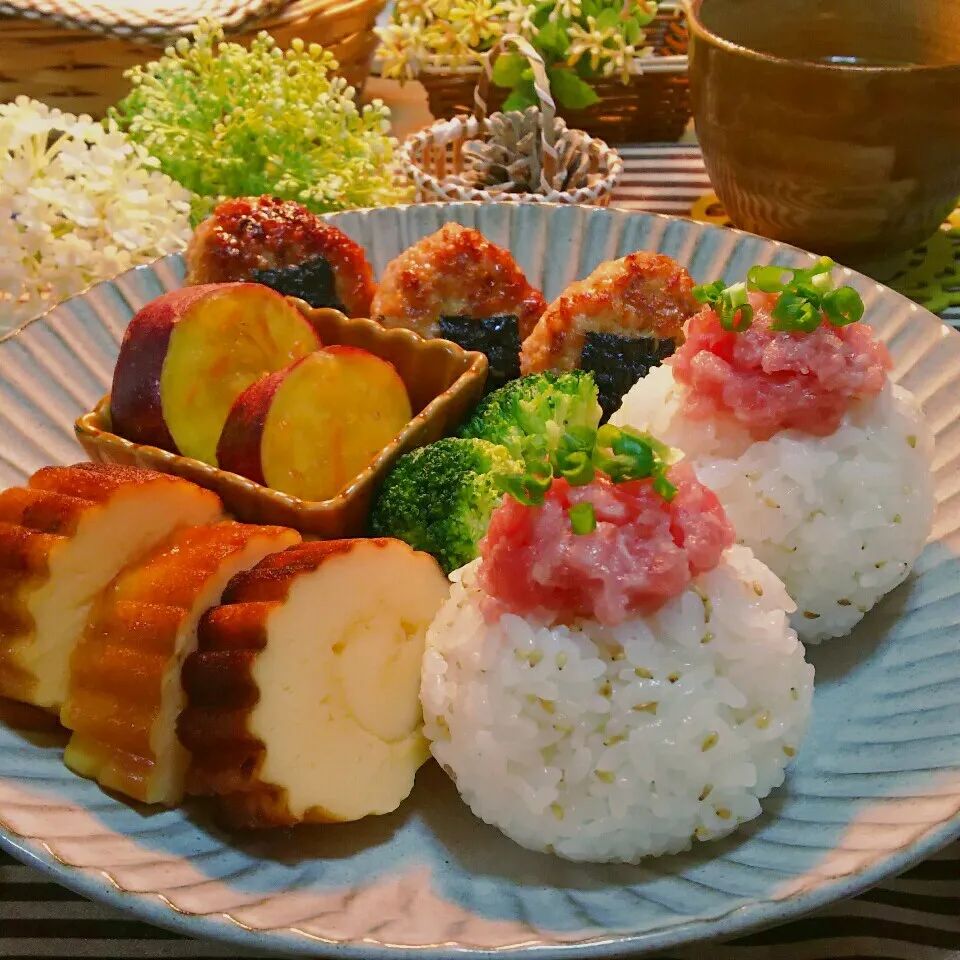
<point>729,303</point>
<point>766,279</point>
<point>529,488</point>
<point>664,487</point>
<point>583,519</point>
<point>621,453</point>
<point>806,296</point>
<point>795,312</point>
<point>572,458</point>
<point>624,454</point>
<point>842,306</point>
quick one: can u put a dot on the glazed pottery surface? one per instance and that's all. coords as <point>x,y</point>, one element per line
<point>830,124</point>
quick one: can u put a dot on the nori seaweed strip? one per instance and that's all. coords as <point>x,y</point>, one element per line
<point>313,281</point>
<point>617,363</point>
<point>497,337</point>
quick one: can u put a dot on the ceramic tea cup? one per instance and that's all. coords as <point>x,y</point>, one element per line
<point>833,125</point>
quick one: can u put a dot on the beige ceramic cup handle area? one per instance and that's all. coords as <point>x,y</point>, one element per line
<point>541,84</point>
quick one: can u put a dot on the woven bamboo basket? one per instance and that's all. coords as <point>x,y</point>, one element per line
<point>653,107</point>
<point>433,158</point>
<point>81,71</point>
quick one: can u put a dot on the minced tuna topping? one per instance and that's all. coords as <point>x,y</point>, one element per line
<point>644,550</point>
<point>772,380</point>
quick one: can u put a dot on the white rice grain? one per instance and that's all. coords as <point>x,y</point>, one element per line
<point>611,744</point>
<point>840,520</point>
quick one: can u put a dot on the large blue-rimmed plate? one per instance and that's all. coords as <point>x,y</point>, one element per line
<point>875,788</point>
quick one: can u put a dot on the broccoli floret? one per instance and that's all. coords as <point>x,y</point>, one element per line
<point>439,498</point>
<point>528,416</point>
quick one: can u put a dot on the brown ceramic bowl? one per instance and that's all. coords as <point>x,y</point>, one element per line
<point>444,382</point>
<point>833,125</point>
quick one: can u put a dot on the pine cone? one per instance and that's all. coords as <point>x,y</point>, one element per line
<point>507,159</point>
<point>510,158</point>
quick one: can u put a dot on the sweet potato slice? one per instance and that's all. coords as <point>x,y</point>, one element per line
<point>310,429</point>
<point>63,538</point>
<point>125,694</point>
<point>187,355</point>
<point>303,695</point>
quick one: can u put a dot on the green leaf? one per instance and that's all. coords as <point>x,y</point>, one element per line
<point>522,96</point>
<point>508,70</point>
<point>552,40</point>
<point>563,39</point>
<point>608,18</point>
<point>633,32</point>
<point>548,34</point>
<point>591,8</point>
<point>542,15</point>
<point>570,90</point>
<point>583,69</point>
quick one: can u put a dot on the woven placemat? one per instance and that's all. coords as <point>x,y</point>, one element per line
<point>147,19</point>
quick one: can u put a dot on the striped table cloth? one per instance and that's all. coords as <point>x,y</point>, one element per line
<point>914,917</point>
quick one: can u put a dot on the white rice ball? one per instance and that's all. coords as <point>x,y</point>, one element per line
<point>840,520</point>
<point>611,744</point>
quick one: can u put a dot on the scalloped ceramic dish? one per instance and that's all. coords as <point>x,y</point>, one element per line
<point>444,382</point>
<point>875,788</point>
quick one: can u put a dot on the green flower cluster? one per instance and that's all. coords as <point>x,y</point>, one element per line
<point>580,41</point>
<point>225,121</point>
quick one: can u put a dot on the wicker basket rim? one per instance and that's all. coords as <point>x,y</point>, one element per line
<point>169,19</point>
<point>673,63</point>
<point>447,129</point>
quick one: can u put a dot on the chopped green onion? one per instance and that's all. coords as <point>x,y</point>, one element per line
<point>572,458</point>
<point>709,292</point>
<point>805,290</point>
<point>733,304</point>
<point>766,279</point>
<point>636,447</point>
<point>822,282</point>
<point>583,519</point>
<point>806,295</point>
<point>621,453</point>
<point>664,487</point>
<point>618,465</point>
<point>632,456</point>
<point>529,488</point>
<point>729,303</point>
<point>795,313</point>
<point>842,306</point>
<point>805,274</point>
<point>576,468</point>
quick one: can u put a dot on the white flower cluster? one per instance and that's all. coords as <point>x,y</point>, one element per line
<point>79,203</point>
